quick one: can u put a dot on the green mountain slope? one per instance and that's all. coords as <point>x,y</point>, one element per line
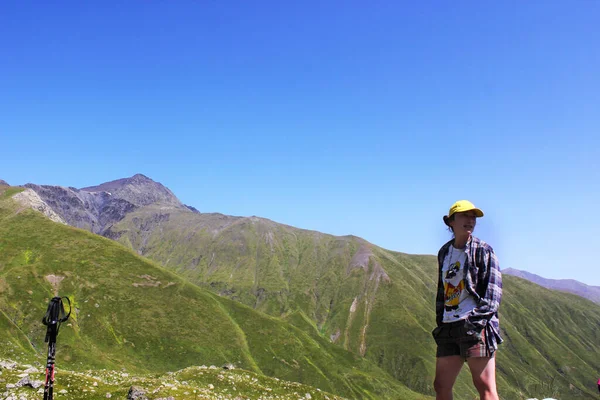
<point>373,302</point>
<point>555,334</point>
<point>129,313</point>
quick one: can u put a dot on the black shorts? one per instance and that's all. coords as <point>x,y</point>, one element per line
<point>460,338</point>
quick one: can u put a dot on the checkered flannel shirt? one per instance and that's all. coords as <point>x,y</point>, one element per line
<point>483,281</point>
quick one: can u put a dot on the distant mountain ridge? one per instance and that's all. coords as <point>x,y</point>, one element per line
<point>566,285</point>
<point>96,208</point>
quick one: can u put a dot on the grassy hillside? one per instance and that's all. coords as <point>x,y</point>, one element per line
<point>375,303</point>
<point>131,314</point>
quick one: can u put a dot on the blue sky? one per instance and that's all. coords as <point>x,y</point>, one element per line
<point>340,116</point>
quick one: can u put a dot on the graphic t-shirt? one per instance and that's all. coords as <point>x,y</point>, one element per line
<point>458,303</point>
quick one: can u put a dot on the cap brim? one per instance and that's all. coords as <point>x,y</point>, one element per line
<point>478,213</point>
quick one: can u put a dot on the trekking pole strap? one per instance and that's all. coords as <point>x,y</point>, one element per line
<point>55,315</point>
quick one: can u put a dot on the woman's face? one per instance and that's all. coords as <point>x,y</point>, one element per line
<point>463,223</point>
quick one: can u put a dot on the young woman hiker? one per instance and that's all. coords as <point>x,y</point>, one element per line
<point>468,296</point>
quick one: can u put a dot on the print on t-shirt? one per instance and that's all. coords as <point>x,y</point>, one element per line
<point>452,292</point>
<point>458,303</point>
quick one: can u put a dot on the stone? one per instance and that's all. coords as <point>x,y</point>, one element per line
<point>136,393</point>
<point>27,381</point>
<point>10,365</point>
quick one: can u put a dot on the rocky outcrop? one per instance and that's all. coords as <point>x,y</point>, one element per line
<point>193,209</point>
<point>29,198</point>
<point>113,211</point>
<point>97,208</point>
<point>77,208</point>
<point>3,183</point>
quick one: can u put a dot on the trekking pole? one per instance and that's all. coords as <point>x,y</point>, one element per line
<point>55,315</point>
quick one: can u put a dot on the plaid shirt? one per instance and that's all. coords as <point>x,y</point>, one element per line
<point>483,281</point>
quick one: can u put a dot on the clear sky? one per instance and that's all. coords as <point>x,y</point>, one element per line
<point>346,117</point>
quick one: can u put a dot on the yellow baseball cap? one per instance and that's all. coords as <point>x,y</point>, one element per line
<point>462,206</point>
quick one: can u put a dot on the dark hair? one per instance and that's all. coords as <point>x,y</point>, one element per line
<point>447,221</point>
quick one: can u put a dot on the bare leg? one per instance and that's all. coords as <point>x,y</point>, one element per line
<point>446,371</point>
<point>483,372</point>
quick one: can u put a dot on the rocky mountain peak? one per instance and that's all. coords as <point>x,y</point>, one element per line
<point>96,208</point>
<point>138,190</point>
<point>3,183</point>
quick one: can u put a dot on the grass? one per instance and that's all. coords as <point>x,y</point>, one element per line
<point>9,191</point>
<point>131,315</point>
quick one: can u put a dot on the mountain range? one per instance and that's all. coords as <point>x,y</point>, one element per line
<point>365,301</point>
<point>566,285</point>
